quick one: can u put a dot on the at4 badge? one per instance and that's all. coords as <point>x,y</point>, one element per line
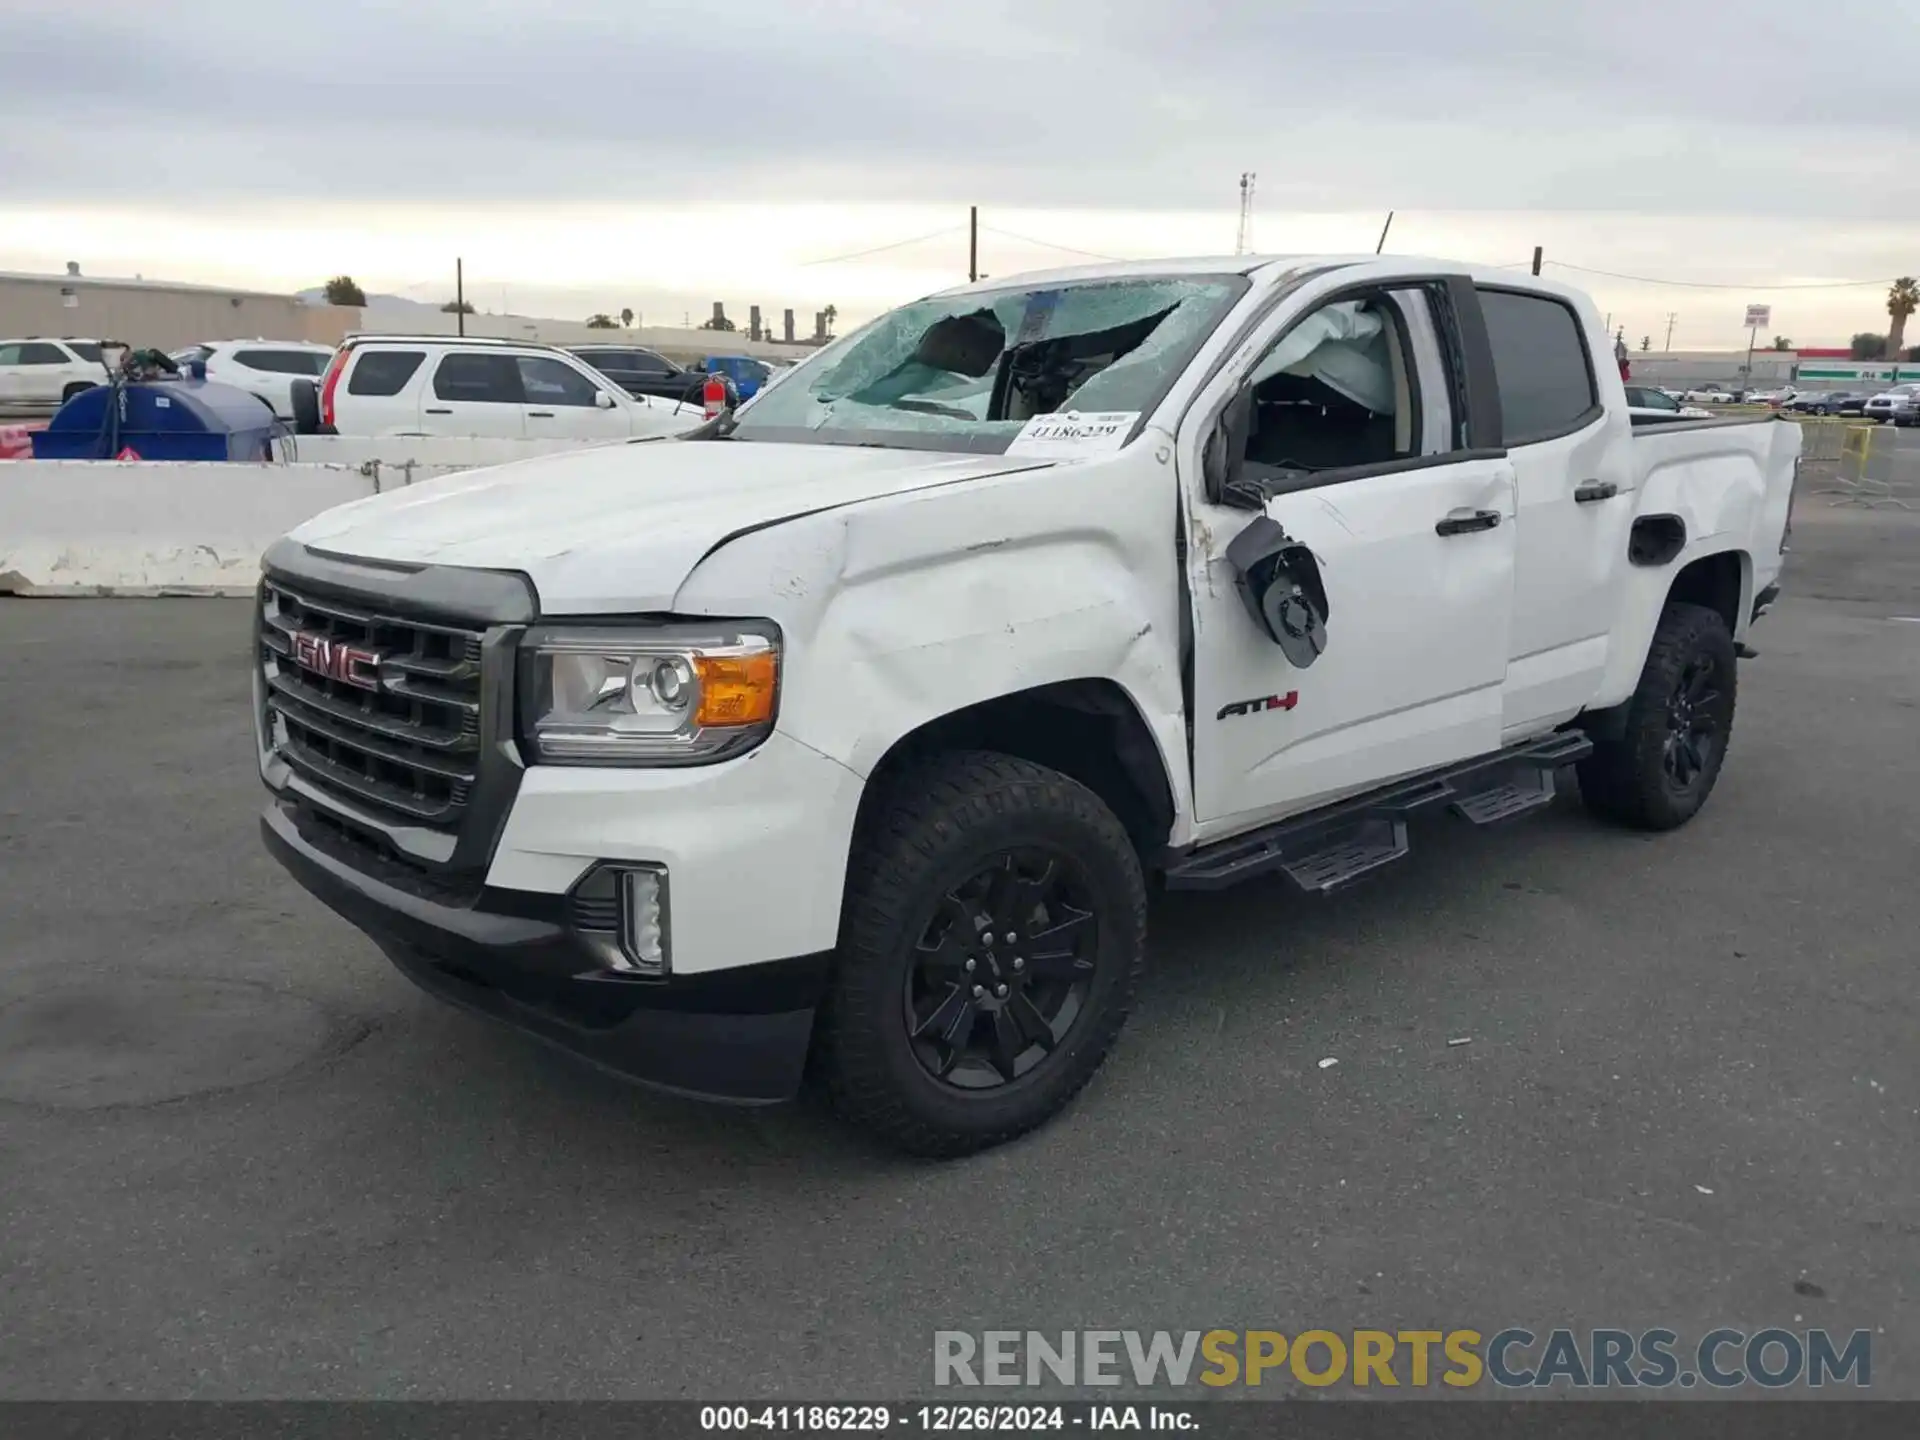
<point>1264,702</point>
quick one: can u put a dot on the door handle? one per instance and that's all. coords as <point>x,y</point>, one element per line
<point>1595,490</point>
<point>437,410</point>
<point>1463,522</point>
<point>541,414</point>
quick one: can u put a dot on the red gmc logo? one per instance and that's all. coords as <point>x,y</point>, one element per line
<point>337,660</point>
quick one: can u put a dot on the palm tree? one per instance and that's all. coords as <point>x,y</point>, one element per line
<point>1903,298</point>
<point>1782,342</point>
<point>626,317</point>
<point>830,314</point>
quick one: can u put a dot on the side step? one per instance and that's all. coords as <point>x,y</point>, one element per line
<point>1328,849</point>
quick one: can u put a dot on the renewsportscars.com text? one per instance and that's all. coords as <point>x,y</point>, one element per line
<point>1460,1359</point>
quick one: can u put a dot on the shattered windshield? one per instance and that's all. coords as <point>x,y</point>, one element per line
<point>976,372</point>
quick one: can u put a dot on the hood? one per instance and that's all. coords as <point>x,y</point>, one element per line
<point>617,528</point>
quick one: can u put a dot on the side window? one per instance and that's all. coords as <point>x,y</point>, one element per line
<point>1541,363</point>
<point>1341,388</point>
<point>481,379</point>
<point>88,352</point>
<point>283,362</point>
<point>383,372</point>
<point>10,354</point>
<point>645,362</point>
<point>41,353</point>
<point>549,382</point>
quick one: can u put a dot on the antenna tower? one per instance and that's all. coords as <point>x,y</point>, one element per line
<point>1243,242</point>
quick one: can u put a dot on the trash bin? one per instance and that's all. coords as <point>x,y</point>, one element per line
<point>160,420</point>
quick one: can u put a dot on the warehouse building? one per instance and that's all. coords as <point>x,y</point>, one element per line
<point>160,313</point>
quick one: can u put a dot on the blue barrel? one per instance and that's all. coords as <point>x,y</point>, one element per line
<point>160,420</point>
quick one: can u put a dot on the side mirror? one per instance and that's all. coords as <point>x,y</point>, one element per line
<point>1226,448</point>
<point>603,400</point>
<point>1280,584</point>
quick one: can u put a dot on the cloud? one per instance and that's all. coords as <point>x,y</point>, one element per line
<point>1137,104</point>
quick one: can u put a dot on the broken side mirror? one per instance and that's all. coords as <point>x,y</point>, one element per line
<point>1280,583</point>
<point>1226,448</point>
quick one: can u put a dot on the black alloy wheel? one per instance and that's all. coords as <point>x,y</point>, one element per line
<point>1693,722</point>
<point>1002,970</point>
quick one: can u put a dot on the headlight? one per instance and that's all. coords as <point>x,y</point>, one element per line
<point>668,694</point>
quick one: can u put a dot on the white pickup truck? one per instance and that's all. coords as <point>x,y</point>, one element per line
<point>855,726</point>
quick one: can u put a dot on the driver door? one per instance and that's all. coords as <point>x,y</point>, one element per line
<point>1357,441</point>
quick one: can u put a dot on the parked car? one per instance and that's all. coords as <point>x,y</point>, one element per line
<point>1832,402</point>
<point>1645,402</point>
<point>41,372</point>
<point>642,372</point>
<point>855,730</point>
<point>745,373</point>
<point>440,385</point>
<point>266,368</point>
<point>1901,405</point>
<point>1710,396</point>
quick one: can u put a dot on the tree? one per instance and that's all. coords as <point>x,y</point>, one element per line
<point>718,322</point>
<point>457,307</point>
<point>626,318</point>
<point>597,321</point>
<point>341,290</point>
<point>1903,298</point>
<point>1869,345</point>
<point>1782,342</point>
<point>832,314</point>
<point>1646,343</point>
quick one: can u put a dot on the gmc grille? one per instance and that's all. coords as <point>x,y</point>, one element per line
<point>407,753</point>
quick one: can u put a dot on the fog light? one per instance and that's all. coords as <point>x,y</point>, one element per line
<point>643,919</point>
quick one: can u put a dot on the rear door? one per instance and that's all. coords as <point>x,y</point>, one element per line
<point>1361,438</point>
<point>11,389</point>
<point>44,370</point>
<point>1573,464</point>
<point>477,393</point>
<point>563,402</point>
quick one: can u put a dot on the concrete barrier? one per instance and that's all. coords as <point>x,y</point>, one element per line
<point>393,460</point>
<point>89,527</point>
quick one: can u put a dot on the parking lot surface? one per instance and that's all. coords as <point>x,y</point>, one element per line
<point>241,1157</point>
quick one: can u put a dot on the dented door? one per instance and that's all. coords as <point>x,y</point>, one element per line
<point>1417,567</point>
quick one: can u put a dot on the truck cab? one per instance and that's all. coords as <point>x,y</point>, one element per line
<point>854,727</point>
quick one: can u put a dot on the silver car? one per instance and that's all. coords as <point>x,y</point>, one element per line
<point>1901,405</point>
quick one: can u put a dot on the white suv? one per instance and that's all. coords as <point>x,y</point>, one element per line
<point>497,389</point>
<point>266,368</point>
<point>40,371</point>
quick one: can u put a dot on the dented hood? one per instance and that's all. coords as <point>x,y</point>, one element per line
<point>619,527</point>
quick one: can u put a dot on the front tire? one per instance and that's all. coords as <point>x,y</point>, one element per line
<point>1659,771</point>
<point>991,944</point>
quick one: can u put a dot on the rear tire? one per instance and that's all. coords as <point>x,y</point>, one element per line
<point>1659,771</point>
<point>991,944</point>
<point>79,387</point>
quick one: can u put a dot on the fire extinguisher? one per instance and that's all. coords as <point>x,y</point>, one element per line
<point>713,395</point>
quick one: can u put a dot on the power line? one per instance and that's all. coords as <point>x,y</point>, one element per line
<point>878,249</point>
<point>1717,285</point>
<point>1049,245</point>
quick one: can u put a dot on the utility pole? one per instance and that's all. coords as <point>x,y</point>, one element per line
<point>1536,259</point>
<point>1672,316</point>
<point>460,293</point>
<point>973,243</point>
<point>1244,240</point>
<point>1383,234</point>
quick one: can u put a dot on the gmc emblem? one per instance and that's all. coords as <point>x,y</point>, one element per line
<point>337,660</point>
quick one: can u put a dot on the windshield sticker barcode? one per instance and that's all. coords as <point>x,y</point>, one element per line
<point>1072,433</point>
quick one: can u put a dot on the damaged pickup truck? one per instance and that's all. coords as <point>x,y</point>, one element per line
<point>854,727</point>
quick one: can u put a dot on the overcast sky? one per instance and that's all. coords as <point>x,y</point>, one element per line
<point>590,154</point>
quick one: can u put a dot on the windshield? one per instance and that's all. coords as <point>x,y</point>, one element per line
<point>971,372</point>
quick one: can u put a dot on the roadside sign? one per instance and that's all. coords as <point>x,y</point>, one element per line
<point>1759,317</point>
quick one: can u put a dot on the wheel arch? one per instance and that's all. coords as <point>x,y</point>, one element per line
<point>1090,730</point>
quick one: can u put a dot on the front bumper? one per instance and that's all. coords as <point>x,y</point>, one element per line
<point>738,1035</point>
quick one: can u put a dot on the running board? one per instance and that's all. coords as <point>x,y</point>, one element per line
<point>1329,849</point>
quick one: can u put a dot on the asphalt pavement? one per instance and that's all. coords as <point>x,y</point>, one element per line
<point>241,1157</point>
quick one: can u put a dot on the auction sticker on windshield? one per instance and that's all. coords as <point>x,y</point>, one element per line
<point>1071,433</point>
